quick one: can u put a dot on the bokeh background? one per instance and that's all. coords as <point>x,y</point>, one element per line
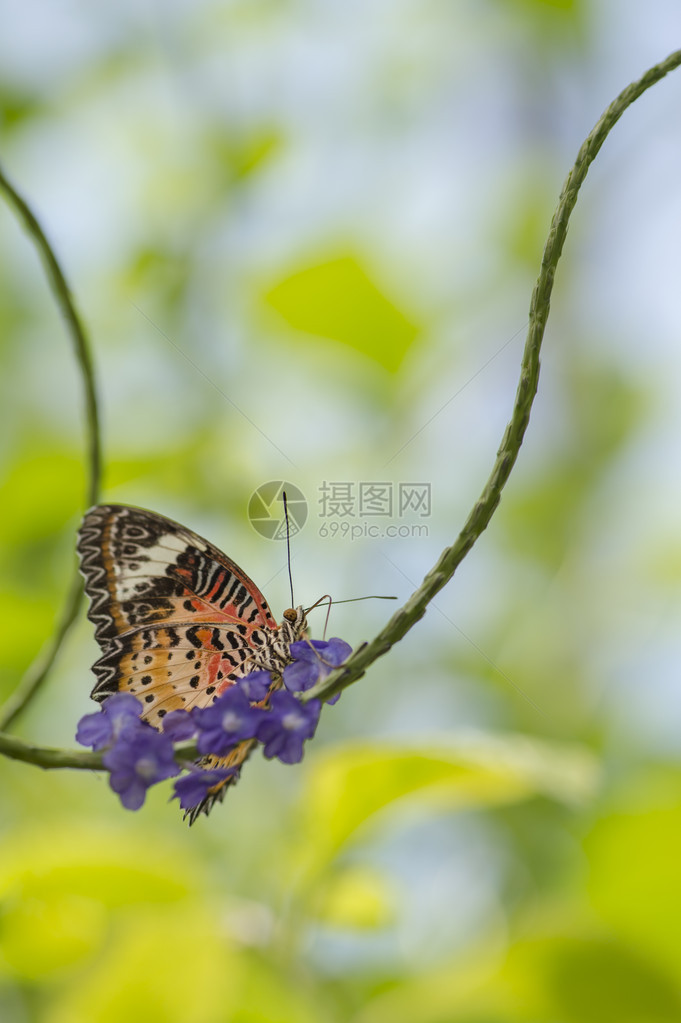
<point>303,236</point>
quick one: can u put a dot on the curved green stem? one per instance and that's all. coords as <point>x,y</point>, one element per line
<point>39,669</point>
<point>46,756</point>
<point>479,518</point>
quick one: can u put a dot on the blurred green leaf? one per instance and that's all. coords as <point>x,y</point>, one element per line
<point>240,158</point>
<point>600,980</point>
<point>662,564</point>
<point>355,897</point>
<point>179,966</point>
<point>18,104</point>
<point>42,933</point>
<point>585,978</point>
<point>346,786</point>
<point>112,867</point>
<point>453,992</point>
<point>546,18</point>
<point>39,495</point>
<point>27,622</point>
<point>634,859</point>
<point>56,895</point>
<point>338,300</point>
<point>156,270</point>
<point>563,5</point>
<point>40,492</point>
<point>266,994</point>
<point>569,977</point>
<point>169,966</point>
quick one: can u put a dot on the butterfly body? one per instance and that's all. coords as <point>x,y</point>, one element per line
<point>178,621</point>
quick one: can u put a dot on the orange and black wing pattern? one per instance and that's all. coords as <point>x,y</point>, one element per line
<point>178,621</point>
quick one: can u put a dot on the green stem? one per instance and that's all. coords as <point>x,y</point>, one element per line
<point>40,668</point>
<point>479,518</point>
<point>45,756</point>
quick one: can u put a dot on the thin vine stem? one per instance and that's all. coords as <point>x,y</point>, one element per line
<point>38,671</point>
<point>47,756</point>
<point>50,757</point>
<point>479,518</point>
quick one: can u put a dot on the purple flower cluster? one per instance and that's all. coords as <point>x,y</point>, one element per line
<point>138,756</point>
<point>313,660</point>
<point>193,788</point>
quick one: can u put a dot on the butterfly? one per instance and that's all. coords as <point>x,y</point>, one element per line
<point>178,622</point>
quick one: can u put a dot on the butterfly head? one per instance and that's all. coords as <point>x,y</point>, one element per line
<point>294,624</point>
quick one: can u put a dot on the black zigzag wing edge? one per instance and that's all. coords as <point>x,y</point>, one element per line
<point>106,672</point>
<point>207,804</point>
<point>93,569</point>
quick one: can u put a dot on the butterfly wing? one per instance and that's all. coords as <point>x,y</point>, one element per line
<point>176,667</point>
<point>235,758</point>
<point>177,620</point>
<point>167,606</point>
<point>142,569</point>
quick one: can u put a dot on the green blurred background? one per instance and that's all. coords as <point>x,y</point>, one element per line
<point>303,236</point>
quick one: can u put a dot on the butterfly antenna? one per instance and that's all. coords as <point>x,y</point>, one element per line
<point>326,597</point>
<point>288,545</point>
<point>349,600</point>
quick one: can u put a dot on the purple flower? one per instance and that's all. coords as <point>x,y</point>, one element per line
<point>179,725</point>
<point>118,715</point>
<point>286,725</point>
<point>137,760</point>
<point>256,686</point>
<point>192,788</point>
<point>226,722</point>
<point>314,660</point>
